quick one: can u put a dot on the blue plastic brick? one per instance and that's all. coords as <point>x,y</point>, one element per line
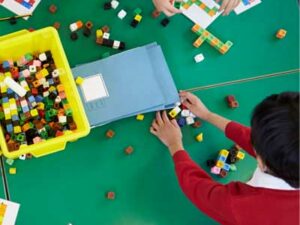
<point>15,118</point>
<point>9,91</point>
<point>226,167</point>
<point>31,99</point>
<point>5,65</point>
<point>181,121</point>
<point>39,98</point>
<point>9,128</point>
<point>50,81</point>
<point>25,109</point>
<point>26,5</point>
<point>222,158</point>
<point>5,99</point>
<point>246,2</point>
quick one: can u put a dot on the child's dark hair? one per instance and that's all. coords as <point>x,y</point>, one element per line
<point>275,135</point>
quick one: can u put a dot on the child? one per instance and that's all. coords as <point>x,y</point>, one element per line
<point>167,7</point>
<point>271,196</point>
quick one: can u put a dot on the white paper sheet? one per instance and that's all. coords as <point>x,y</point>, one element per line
<point>10,213</point>
<point>94,88</point>
<point>19,9</point>
<point>242,8</point>
<point>199,16</point>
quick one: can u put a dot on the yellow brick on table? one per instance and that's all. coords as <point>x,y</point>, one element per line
<point>79,80</point>
<point>12,170</point>
<point>140,117</point>
<point>199,137</point>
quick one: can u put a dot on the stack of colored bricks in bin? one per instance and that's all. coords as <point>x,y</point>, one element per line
<point>226,161</point>
<point>33,103</point>
<point>205,35</point>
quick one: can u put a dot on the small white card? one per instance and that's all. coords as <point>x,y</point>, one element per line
<point>18,8</point>
<point>8,212</point>
<point>242,7</point>
<point>94,88</point>
<point>200,16</point>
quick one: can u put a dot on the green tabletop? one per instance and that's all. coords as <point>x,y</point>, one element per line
<point>2,190</point>
<point>70,186</point>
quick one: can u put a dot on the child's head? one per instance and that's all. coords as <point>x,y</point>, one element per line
<point>275,135</point>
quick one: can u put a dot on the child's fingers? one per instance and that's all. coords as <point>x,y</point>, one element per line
<point>170,10</point>
<point>170,13</point>
<point>237,2</point>
<point>224,5</point>
<point>167,13</point>
<point>174,122</point>
<point>165,117</point>
<point>182,93</point>
<point>229,7</point>
<point>155,125</point>
<point>153,131</point>
<point>187,104</point>
<point>159,119</point>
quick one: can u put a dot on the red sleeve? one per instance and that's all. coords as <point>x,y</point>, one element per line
<point>210,197</point>
<point>241,135</point>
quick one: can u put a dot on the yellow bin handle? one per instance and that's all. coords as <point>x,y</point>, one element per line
<point>12,35</point>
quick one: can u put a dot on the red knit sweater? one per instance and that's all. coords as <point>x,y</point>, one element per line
<point>236,202</point>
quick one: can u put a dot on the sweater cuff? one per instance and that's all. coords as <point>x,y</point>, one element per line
<point>231,128</point>
<point>181,155</point>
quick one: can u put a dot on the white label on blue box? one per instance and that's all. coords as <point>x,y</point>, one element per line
<point>94,88</point>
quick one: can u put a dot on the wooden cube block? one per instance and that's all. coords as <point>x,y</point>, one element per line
<point>52,8</point>
<point>56,25</point>
<point>110,195</point>
<point>128,150</point>
<point>110,134</point>
<point>281,33</point>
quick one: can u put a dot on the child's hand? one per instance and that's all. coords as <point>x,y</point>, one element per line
<point>194,104</point>
<point>228,6</point>
<point>167,131</point>
<point>166,7</point>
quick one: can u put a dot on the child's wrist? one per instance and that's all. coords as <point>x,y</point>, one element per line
<point>173,148</point>
<point>208,116</point>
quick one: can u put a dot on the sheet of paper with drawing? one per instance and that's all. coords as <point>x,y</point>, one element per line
<point>8,212</point>
<point>245,5</point>
<point>202,12</point>
<point>132,82</point>
<point>20,7</point>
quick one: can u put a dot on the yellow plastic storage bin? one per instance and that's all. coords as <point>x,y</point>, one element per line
<point>15,45</point>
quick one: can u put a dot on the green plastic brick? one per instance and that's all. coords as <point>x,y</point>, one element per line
<point>207,9</point>
<point>10,161</point>
<point>177,5</point>
<point>137,11</point>
<point>28,57</point>
<point>229,44</point>
<point>219,46</point>
<point>233,167</point>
